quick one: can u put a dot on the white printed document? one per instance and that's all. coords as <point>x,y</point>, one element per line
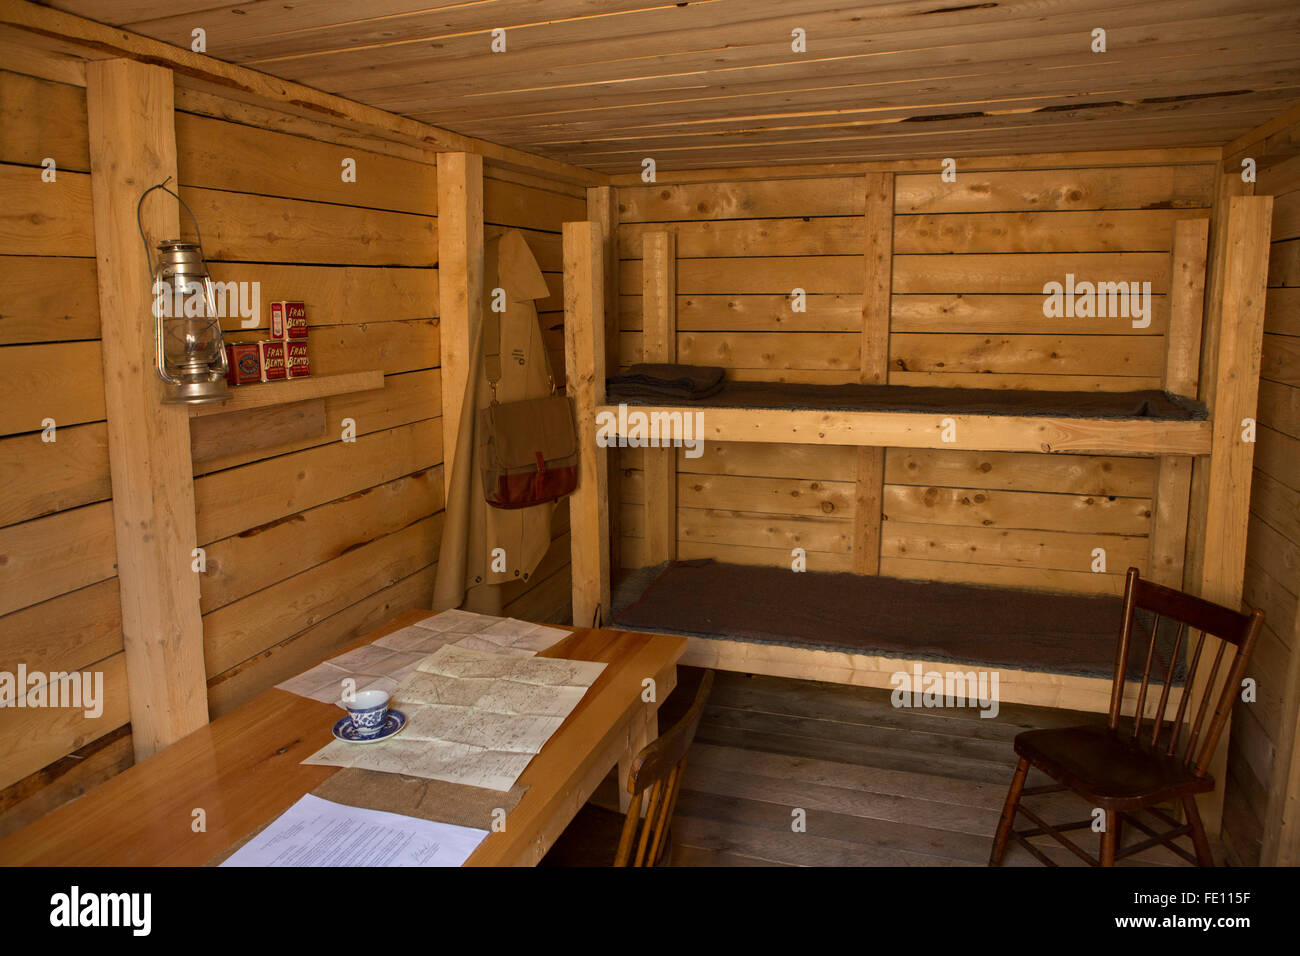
<point>316,832</point>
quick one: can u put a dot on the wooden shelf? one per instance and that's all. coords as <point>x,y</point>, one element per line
<point>1096,436</point>
<point>296,390</point>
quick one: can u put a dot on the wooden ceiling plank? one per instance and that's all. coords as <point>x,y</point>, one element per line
<point>664,24</point>
<point>1139,93</point>
<point>607,82</point>
<point>271,29</point>
<point>1093,121</point>
<point>476,96</point>
<point>126,10</point>
<point>766,42</point>
<point>698,100</point>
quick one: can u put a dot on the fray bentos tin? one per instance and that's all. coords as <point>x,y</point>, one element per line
<point>295,321</point>
<point>273,364</point>
<point>277,321</point>
<point>295,359</point>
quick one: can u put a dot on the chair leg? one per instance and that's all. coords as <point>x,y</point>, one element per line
<point>1008,813</point>
<point>1110,838</point>
<point>1204,856</point>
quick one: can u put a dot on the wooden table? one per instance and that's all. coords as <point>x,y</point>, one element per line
<point>244,769</point>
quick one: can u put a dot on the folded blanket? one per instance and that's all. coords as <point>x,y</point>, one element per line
<point>649,381</point>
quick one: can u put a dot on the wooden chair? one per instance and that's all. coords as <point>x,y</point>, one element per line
<point>1125,771</point>
<point>598,836</point>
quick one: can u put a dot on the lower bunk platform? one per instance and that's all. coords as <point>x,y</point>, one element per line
<point>1048,649</point>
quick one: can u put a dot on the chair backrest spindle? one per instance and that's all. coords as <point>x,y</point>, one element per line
<point>1190,613</point>
<point>1180,717</point>
<point>1168,684</point>
<point>658,770</point>
<point>1146,678</point>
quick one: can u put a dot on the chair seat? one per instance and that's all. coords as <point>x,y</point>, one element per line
<point>1109,768</point>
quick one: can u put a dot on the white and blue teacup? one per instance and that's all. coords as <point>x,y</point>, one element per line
<point>368,710</point>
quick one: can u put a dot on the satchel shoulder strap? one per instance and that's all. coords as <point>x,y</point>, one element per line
<point>492,349</point>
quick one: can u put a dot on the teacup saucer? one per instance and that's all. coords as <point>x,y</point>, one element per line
<point>393,725</point>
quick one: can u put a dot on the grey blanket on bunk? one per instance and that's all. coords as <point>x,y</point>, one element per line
<point>963,624</point>
<point>1144,404</point>
<point>654,382</point>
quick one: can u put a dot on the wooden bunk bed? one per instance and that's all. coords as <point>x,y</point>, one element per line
<point>1171,427</point>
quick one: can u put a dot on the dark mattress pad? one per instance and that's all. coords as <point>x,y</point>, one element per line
<point>964,624</point>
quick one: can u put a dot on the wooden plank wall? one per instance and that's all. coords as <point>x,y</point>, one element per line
<point>59,604</point>
<point>315,540</point>
<point>1262,798</point>
<point>309,540</point>
<point>539,207</point>
<point>969,262</point>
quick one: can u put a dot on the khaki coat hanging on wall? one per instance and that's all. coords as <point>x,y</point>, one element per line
<point>470,566</point>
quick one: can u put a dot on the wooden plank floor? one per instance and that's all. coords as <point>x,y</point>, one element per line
<point>881,786</point>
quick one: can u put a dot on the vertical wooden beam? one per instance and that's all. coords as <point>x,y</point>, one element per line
<point>878,266</point>
<point>1229,186</point>
<point>1167,544</point>
<point>878,275</point>
<point>659,344</point>
<point>133,146</point>
<point>659,297</point>
<point>1186,306</point>
<point>1236,390</point>
<point>584,353</point>
<point>460,286</point>
<point>602,209</point>
<point>1241,336</point>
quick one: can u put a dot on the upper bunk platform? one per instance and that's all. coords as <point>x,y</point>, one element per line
<point>1145,422</point>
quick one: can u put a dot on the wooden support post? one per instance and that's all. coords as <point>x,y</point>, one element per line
<point>877,263</point>
<point>659,344</point>
<point>1186,306</point>
<point>1241,335</point>
<point>602,208</point>
<point>584,354</point>
<point>460,286</point>
<point>133,146</point>
<point>1236,389</point>
<point>1169,506</point>
<point>1167,545</point>
<point>1229,186</point>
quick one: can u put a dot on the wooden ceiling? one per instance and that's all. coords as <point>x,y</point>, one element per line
<point>706,83</point>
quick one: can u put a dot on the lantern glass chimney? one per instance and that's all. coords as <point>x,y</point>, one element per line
<point>191,356</point>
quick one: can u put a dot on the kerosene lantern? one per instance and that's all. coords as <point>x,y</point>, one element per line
<point>190,355</point>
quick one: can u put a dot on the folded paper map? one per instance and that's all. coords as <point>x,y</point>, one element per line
<point>383,664</point>
<point>473,717</point>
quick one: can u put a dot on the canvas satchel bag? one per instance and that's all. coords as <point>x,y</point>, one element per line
<point>528,449</point>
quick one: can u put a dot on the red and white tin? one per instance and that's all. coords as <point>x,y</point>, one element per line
<point>295,359</point>
<point>272,355</point>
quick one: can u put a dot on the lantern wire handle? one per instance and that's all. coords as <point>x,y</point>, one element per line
<point>148,258</point>
<point>140,225</point>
